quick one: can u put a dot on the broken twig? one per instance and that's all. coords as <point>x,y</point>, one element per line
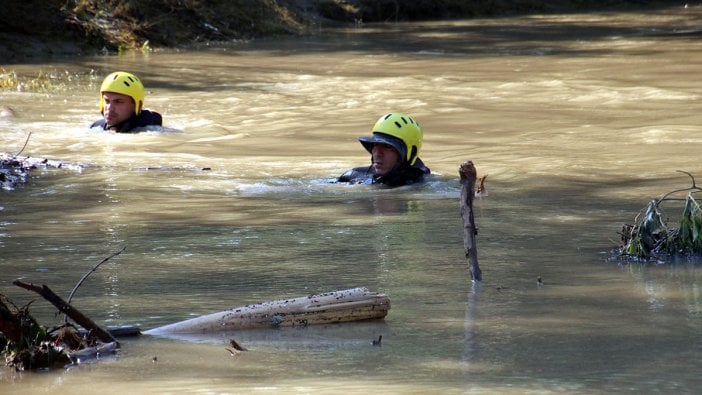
<point>91,271</point>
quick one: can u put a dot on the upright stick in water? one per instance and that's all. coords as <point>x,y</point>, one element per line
<point>468,177</point>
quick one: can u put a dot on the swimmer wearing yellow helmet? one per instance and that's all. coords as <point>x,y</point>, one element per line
<point>394,147</point>
<point>121,105</point>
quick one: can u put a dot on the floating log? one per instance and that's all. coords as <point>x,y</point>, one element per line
<point>354,304</point>
<point>93,353</point>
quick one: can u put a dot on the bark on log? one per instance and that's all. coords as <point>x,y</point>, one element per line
<point>69,310</point>
<point>468,176</point>
<point>332,307</point>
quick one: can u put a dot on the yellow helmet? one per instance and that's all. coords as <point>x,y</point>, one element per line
<point>399,131</point>
<point>125,84</point>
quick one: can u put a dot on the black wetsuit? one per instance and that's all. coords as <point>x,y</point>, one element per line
<point>145,118</point>
<point>397,177</point>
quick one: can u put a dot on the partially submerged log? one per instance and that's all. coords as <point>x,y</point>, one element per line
<point>354,304</point>
<point>470,231</point>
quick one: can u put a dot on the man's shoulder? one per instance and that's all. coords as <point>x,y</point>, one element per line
<point>133,124</point>
<point>100,122</point>
<point>357,175</point>
<point>148,118</point>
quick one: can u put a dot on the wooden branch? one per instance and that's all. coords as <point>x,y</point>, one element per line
<point>24,146</point>
<point>75,288</point>
<point>694,187</point>
<point>67,309</point>
<point>468,176</point>
<point>691,176</point>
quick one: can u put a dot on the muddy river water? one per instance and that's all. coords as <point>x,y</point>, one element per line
<point>578,121</point>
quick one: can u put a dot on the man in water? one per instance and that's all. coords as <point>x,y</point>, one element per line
<point>121,105</point>
<point>394,148</point>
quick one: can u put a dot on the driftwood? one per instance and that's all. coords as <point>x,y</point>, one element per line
<point>354,304</point>
<point>69,310</point>
<point>15,169</point>
<point>91,353</point>
<point>26,345</point>
<point>29,346</point>
<point>468,176</point>
<point>14,321</point>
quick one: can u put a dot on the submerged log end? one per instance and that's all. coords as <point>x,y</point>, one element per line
<point>476,274</point>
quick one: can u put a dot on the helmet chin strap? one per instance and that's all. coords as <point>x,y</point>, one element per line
<point>414,154</point>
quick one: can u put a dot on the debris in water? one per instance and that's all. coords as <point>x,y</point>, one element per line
<point>236,346</point>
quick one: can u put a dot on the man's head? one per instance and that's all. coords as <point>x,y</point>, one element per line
<point>396,141</point>
<point>121,96</point>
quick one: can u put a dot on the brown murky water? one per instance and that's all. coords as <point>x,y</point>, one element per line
<point>579,120</point>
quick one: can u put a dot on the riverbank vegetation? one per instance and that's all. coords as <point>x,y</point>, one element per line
<point>68,27</point>
<point>42,81</point>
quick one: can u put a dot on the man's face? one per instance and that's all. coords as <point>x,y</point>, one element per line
<point>118,107</point>
<point>385,158</point>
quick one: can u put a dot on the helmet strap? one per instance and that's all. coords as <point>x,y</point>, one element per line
<point>413,155</point>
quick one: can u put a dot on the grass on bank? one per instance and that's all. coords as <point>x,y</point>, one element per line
<point>52,81</point>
